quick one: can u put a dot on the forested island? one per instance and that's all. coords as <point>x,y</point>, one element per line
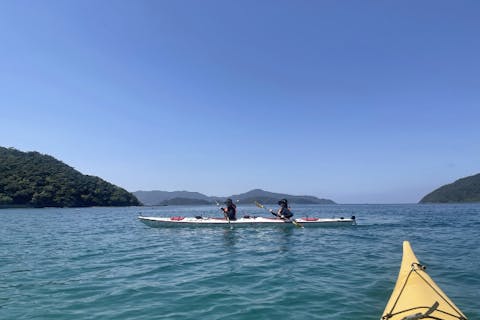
<point>32,179</point>
<point>463,190</point>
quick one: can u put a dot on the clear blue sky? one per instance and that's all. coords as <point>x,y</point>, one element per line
<point>357,101</point>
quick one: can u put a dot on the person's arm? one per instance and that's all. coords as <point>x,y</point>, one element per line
<point>277,213</point>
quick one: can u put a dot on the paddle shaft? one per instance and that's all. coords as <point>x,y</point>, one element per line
<point>224,214</point>
<point>275,214</point>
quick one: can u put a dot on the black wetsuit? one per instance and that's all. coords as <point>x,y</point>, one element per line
<point>231,212</point>
<point>285,211</point>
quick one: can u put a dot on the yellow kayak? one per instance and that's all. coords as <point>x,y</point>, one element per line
<point>416,296</point>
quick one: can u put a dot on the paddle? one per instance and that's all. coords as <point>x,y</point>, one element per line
<point>225,214</point>
<point>275,214</point>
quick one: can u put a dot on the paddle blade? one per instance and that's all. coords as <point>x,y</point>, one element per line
<point>259,205</point>
<point>297,224</point>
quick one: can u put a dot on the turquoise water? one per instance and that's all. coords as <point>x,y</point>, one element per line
<point>101,263</point>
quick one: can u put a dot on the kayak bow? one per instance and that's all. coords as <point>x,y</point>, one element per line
<point>417,296</point>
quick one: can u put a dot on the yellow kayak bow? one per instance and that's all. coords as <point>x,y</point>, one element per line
<point>417,296</point>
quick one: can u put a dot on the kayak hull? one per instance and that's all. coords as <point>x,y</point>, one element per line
<point>416,295</point>
<point>160,222</point>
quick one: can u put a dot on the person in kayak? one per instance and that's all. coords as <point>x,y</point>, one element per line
<point>230,211</point>
<point>284,211</point>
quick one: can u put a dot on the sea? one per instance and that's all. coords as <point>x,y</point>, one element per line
<point>103,263</point>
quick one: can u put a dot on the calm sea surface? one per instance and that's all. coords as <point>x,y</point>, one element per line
<point>102,263</point>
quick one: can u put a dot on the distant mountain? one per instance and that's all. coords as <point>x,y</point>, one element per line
<point>31,179</point>
<point>272,197</point>
<point>185,202</point>
<point>463,190</point>
<point>156,197</point>
<point>159,197</point>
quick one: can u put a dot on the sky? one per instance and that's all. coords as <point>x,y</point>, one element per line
<point>355,101</point>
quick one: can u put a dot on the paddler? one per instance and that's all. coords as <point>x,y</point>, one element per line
<point>231,210</point>
<point>284,211</point>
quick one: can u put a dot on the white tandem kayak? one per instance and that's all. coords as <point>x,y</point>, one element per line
<point>158,222</point>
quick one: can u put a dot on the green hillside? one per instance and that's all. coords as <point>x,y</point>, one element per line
<point>463,190</point>
<point>32,179</point>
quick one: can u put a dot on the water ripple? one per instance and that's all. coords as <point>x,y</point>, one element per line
<point>101,263</point>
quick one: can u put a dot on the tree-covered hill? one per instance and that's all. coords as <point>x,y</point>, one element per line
<point>35,180</point>
<point>463,190</point>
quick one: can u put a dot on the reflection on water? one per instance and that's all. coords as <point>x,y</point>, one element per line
<point>229,237</point>
<point>285,238</point>
<point>261,238</point>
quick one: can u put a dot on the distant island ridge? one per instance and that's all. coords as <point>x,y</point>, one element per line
<point>461,191</point>
<point>159,198</point>
<point>32,179</point>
